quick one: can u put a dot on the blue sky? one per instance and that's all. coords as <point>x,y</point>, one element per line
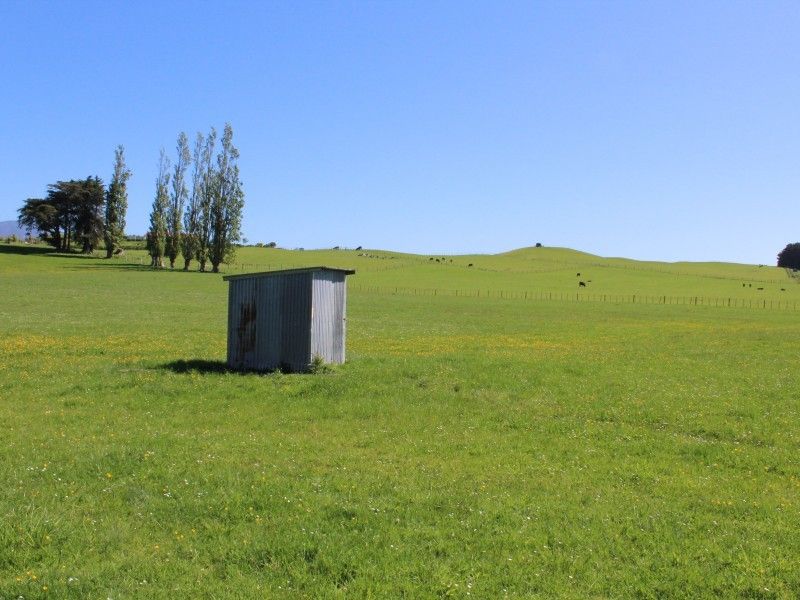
<point>651,130</point>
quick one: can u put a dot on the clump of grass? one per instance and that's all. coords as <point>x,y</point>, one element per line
<point>318,366</point>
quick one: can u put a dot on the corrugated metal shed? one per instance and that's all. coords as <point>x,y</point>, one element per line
<point>283,319</point>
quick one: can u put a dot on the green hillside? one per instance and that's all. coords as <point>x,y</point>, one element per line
<point>471,446</point>
<point>542,270</point>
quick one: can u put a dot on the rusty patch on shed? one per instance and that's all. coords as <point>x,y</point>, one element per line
<point>246,330</point>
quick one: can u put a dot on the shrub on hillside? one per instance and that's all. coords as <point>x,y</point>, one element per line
<point>789,257</point>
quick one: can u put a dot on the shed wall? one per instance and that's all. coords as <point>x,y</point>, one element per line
<point>269,322</point>
<point>294,316</point>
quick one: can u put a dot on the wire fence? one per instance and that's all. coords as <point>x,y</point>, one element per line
<point>754,303</point>
<point>538,268</point>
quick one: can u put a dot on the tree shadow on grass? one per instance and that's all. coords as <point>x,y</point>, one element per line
<point>114,266</point>
<point>25,250</point>
<point>81,255</point>
<point>110,264</point>
<point>93,261</point>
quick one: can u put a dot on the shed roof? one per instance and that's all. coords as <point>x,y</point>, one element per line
<point>288,272</point>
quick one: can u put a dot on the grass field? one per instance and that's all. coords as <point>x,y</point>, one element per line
<point>471,446</point>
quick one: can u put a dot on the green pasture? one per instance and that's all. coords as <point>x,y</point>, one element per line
<point>471,446</point>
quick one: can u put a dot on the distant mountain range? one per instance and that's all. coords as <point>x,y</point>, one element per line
<point>8,228</point>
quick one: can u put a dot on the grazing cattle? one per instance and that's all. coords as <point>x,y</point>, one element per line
<point>469,265</point>
<point>437,260</point>
<point>744,285</point>
<point>783,289</point>
<point>577,274</point>
<point>359,248</point>
<point>749,285</point>
<point>760,289</point>
<point>581,284</point>
<point>431,258</point>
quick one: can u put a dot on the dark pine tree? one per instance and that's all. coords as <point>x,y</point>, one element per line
<point>789,257</point>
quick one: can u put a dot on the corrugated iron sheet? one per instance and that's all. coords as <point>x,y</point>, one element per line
<point>328,319</point>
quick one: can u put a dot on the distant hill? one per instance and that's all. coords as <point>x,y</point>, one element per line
<point>8,228</point>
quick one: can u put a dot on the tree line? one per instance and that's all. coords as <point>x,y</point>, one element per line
<point>198,220</point>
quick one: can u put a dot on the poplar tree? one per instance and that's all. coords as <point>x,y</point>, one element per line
<point>116,204</point>
<point>208,183</point>
<point>227,203</point>
<point>191,219</point>
<point>156,236</point>
<point>177,201</point>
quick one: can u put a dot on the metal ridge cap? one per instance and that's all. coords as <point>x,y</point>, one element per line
<point>287,272</point>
